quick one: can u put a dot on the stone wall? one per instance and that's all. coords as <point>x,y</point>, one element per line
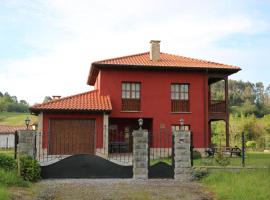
<point>182,169</point>
<point>140,154</point>
<point>26,145</point>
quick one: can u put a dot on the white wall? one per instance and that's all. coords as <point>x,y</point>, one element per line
<point>7,140</point>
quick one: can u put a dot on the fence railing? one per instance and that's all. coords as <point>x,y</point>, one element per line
<point>217,106</point>
<point>160,147</point>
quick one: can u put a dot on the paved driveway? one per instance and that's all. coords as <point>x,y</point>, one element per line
<point>120,189</point>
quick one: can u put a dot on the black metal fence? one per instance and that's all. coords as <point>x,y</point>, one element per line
<point>161,154</point>
<point>116,146</point>
<point>160,146</point>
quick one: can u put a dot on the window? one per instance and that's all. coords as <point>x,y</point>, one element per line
<point>131,96</point>
<point>179,97</point>
<point>177,127</point>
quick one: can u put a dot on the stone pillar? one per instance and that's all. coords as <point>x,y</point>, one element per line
<point>182,163</point>
<point>106,134</point>
<point>26,145</point>
<point>140,154</point>
<point>40,150</point>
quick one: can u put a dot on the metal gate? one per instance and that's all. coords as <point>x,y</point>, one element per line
<point>161,154</point>
<point>62,157</point>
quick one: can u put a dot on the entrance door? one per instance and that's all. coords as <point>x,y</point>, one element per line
<point>71,136</point>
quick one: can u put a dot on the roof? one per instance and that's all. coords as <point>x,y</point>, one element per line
<point>6,129</point>
<point>88,101</point>
<point>167,61</point>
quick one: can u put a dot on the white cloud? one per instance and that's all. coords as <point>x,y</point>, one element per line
<point>86,31</point>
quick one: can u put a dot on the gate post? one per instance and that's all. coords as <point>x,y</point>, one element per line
<point>26,144</point>
<point>140,154</point>
<point>182,164</point>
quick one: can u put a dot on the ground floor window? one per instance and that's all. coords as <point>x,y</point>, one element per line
<point>186,127</point>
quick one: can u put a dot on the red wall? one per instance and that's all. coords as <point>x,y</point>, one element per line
<point>97,117</point>
<point>155,99</point>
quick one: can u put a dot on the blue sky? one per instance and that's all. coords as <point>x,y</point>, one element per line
<point>46,47</point>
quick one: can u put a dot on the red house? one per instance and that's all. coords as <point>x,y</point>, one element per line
<point>158,87</point>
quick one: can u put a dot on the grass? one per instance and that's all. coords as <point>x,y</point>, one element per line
<point>244,185</point>
<point>10,179</point>
<point>253,159</point>
<point>4,195</point>
<point>166,160</point>
<point>15,119</point>
<point>9,152</point>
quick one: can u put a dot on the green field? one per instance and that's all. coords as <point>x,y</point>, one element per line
<point>15,119</point>
<point>253,159</point>
<point>243,185</point>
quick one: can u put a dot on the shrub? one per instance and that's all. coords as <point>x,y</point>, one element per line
<point>251,144</point>
<point>7,163</point>
<point>196,155</point>
<point>221,159</point>
<point>198,174</point>
<point>30,169</point>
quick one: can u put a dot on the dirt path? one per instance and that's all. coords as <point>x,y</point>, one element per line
<point>121,189</point>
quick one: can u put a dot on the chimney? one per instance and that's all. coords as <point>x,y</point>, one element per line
<point>154,50</point>
<point>56,97</point>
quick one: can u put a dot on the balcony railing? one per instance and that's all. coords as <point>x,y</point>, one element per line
<point>180,105</point>
<point>131,104</point>
<point>217,106</point>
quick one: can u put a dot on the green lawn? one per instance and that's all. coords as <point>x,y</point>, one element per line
<point>253,159</point>
<point>9,152</point>
<point>243,185</point>
<point>16,119</point>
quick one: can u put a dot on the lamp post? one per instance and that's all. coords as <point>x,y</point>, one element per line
<point>140,123</point>
<point>182,122</point>
<point>27,122</point>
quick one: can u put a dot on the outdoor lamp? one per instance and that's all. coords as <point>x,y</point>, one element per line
<point>34,127</point>
<point>140,123</point>
<point>27,122</point>
<point>182,122</point>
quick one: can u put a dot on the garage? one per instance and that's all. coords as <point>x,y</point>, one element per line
<point>71,136</point>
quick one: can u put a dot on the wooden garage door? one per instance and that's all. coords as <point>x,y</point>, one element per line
<point>72,136</point>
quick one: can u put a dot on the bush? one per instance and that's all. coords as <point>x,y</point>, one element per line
<point>198,174</point>
<point>221,159</point>
<point>196,155</point>
<point>7,163</point>
<point>251,144</point>
<point>30,169</point>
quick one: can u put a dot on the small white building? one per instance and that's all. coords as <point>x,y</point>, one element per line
<point>7,135</point>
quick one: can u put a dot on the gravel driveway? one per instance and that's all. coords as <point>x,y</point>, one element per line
<point>119,189</point>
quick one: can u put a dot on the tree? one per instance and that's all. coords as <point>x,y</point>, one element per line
<point>47,99</point>
<point>23,102</point>
<point>10,103</point>
<point>259,88</point>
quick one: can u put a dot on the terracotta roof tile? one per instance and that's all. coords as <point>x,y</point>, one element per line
<point>88,101</point>
<point>166,61</point>
<point>6,129</point>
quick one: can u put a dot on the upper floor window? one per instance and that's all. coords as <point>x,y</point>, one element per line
<point>131,96</point>
<point>177,127</point>
<point>179,97</point>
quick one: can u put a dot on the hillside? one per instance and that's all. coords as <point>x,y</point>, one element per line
<point>16,119</point>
